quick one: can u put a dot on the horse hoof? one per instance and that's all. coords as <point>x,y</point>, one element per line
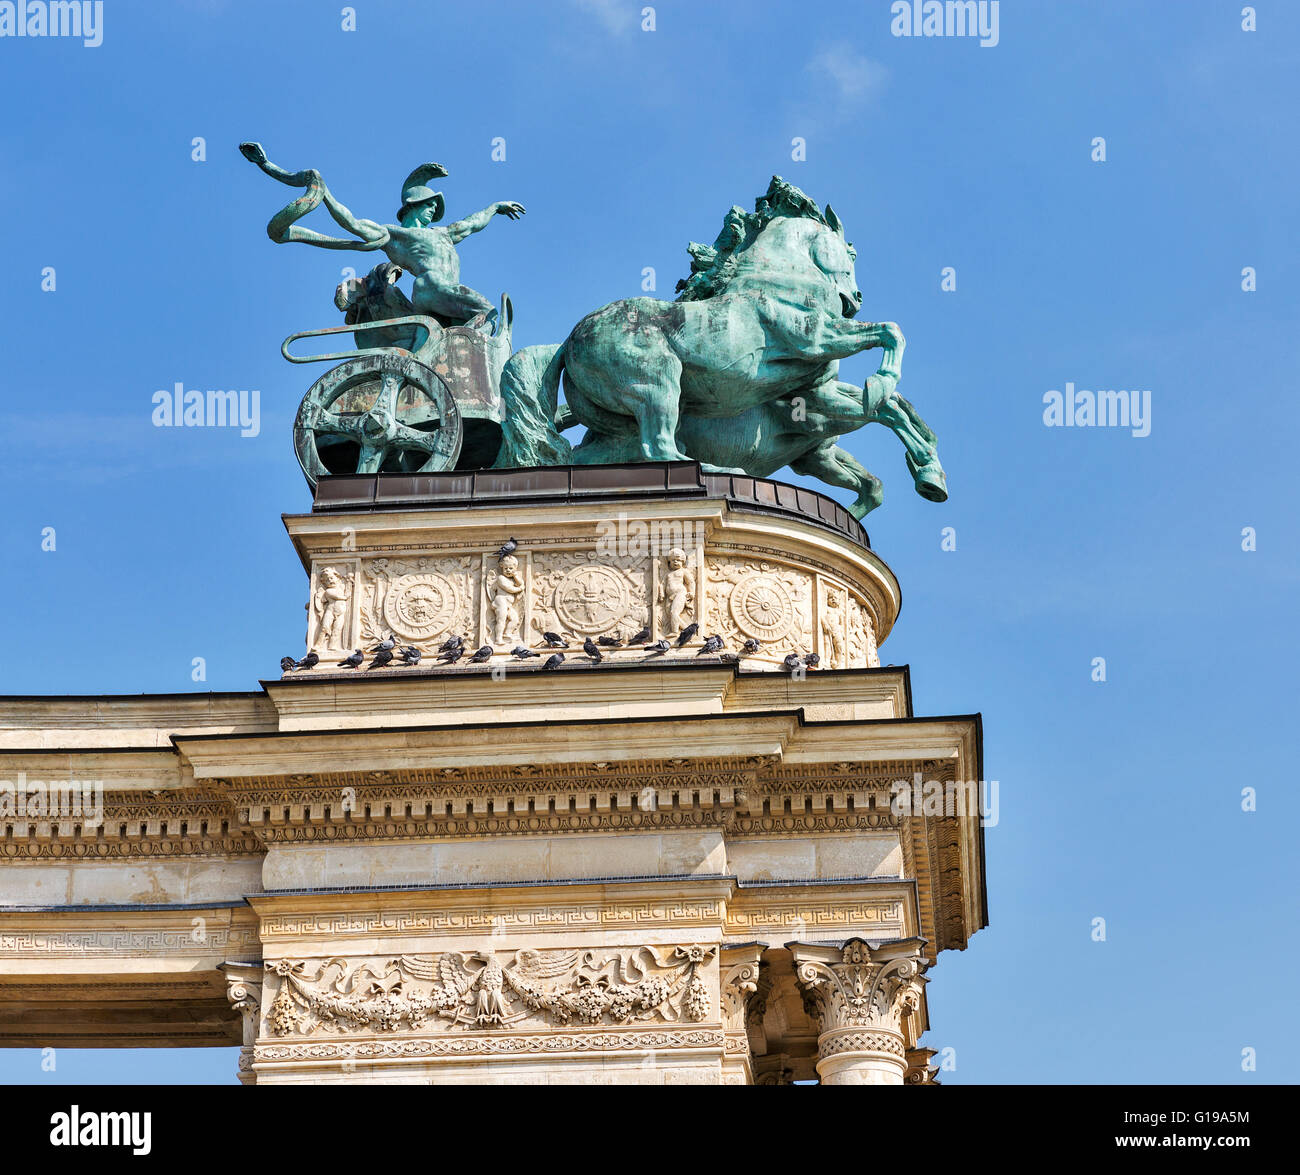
<point>931,483</point>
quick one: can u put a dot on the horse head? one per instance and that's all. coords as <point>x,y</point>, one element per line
<point>787,243</point>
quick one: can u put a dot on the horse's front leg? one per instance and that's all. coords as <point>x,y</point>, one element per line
<point>919,441</point>
<point>838,338</point>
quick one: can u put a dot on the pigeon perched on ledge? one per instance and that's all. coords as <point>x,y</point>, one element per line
<point>354,661</point>
<point>612,641</point>
<point>592,650</point>
<point>382,658</point>
<point>792,661</point>
<point>711,645</point>
<point>642,637</point>
<point>411,655</point>
<point>509,547</point>
<point>519,653</point>
<point>687,634</point>
<point>310,661</point>
<point>385,645</point>
<point>554,640</point>
<point>452,655</point>
<point>750,647</point>
<point>554,661</point>
<point>812,660</point>
<point>286,664</point>
<point>657,649</point>
<point>452,642</point>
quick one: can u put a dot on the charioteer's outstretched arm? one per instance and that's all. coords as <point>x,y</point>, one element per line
<point>460,229</point>
<point>282,227</point>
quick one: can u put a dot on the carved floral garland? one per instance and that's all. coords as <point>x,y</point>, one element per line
<point>476,990</point>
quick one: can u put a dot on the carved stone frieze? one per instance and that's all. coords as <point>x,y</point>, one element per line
<point>488,989</point>
<point>420,600</point>
<point>587,594</point>
<point>765,601</point>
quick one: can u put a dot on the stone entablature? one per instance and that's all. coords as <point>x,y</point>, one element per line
<point>618,872</point>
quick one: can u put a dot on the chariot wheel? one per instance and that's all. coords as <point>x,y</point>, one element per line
<point>379,413</point>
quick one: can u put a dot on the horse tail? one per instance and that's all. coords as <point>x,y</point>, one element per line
<point>530,387</point>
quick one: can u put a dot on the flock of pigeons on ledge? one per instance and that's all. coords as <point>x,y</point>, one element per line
<point>387,653</point>
<point>453,648</point>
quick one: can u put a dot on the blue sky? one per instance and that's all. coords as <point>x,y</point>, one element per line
<point>1118,799</point>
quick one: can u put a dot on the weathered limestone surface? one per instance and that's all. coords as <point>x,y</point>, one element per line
<point>663,872</point>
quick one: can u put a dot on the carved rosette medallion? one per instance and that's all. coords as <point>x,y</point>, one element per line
<point>418,599</point>
<point>770,602</point>
<point>590,599</point>
<point>761,607</point>
<point>420,607</point>
<point>579,593</point>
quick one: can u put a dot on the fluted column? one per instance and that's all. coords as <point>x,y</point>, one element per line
<point>861,996</point>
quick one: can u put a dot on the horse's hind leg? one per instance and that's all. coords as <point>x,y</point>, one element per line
<point>836,467</point>
<point>919,441</point>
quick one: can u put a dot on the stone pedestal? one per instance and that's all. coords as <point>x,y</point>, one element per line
<point>681,867</point>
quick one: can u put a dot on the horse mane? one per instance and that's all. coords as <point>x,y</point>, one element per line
<point>713,266</point>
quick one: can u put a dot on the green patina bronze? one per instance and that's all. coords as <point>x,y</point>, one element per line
<point>740,373</point>
<point>416,244</point>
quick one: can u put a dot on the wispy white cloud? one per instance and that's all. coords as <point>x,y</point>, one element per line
<point>615,16</point>
<point>844,80</point>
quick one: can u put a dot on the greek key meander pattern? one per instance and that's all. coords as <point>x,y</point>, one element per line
<point>216,940</point>
<point>521,917</point>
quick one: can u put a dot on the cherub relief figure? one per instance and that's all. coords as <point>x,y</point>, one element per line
<point>677,591</point>
<point>331,609</point>
<point>504,590</point>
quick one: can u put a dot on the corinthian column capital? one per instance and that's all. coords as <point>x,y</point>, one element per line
<point>861,995</point>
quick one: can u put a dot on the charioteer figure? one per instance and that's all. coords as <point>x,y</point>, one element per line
<point>416,244</point>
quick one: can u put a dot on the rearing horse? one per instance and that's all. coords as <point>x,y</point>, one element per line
<point>766,317</point>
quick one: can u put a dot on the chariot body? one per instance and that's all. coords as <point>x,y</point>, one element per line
<point>414,396</point>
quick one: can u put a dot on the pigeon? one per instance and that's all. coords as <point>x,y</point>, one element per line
<point>792,661</point>
<point>750,647</point>
<point>386,645</point>
<point>729,658</point>
<point>658,648</point>
<point>592,649</point>
<point>481,655</point>
<point>382,658</point>
<point>812,660</point>
<point>287,663</point>
<point>686,634</point>
<point>711,645</point>
<point>452,642</point>
<point>310,661</point>
<point>554,661</point>
<point>521,654</point>
<point>642,637</point>
<point>354,661</point>
<point>452,655</point>
<point>411,655</point>
<point>554,640</point>
<point>613,641</point>
<point>508,548</point>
